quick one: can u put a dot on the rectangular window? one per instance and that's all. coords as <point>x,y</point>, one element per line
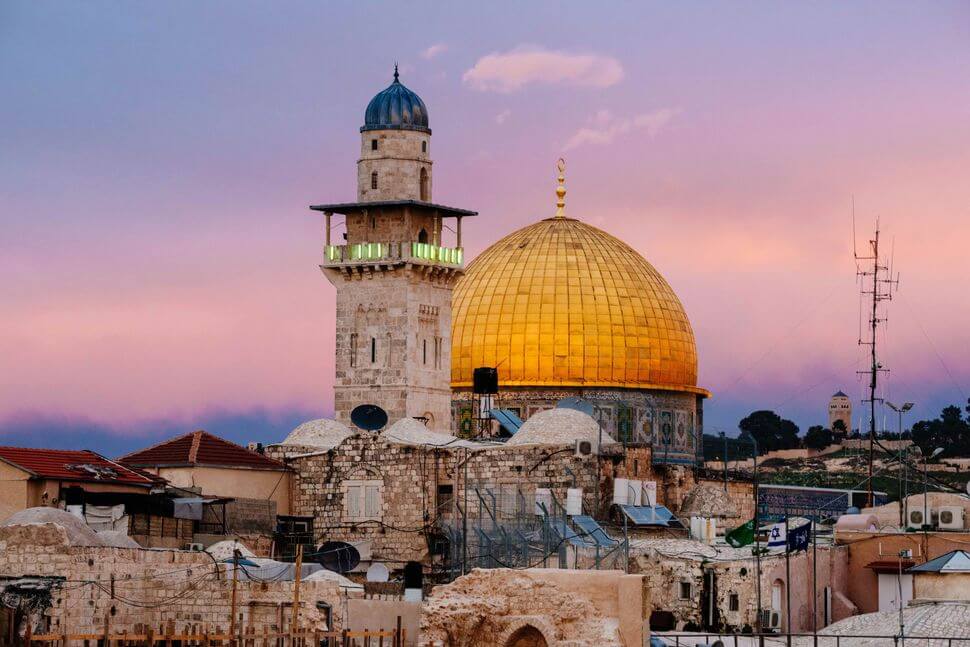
<point>353,349</point>
<point>373,350</point>
<point>424,147</point>
<point>446,497</point>
<point>424,351</point>
<point>352,503</point>
<point>372,501</point>
<point>373,144</point>
<point>733,603</point>
<point>373,180</point>
<point>685,591</point>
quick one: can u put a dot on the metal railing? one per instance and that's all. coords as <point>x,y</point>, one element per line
<point>397,251</point>
<point>692,639</point>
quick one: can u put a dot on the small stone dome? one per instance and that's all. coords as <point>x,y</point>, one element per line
<point>322,433</point>
<point>408,431</point>
<point>396,107</point>
<point>559,427</point>
<point>708,501</point>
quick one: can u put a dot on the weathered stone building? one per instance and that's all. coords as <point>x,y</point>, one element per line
<point>563,309</point>
<point>56,585</point>
<point>393,493</point>
<point>533,607</point>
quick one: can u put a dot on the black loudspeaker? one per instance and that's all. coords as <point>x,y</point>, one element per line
<point>485,381</point>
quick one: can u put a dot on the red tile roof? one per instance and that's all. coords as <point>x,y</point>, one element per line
<point>72,465</point>
<point>200,448</point>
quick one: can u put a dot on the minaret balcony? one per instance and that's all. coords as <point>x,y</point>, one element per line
<point>392,253</point>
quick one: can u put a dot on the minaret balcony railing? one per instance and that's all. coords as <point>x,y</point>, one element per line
<point>393,252</point>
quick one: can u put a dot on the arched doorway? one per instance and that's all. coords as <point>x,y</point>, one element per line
<point>527,636</point>
<point>422,236</point>
<point>425,189</point>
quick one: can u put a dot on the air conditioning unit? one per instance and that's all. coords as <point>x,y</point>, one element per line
<point>770,620</point>
<point>916,520</point>
<point>583,448</point>
<point>950,517</point>
<point>197,548</point>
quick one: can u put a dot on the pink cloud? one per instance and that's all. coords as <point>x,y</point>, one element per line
<point>434,50</point>
<point>604,127</point>
<point>510,71</point>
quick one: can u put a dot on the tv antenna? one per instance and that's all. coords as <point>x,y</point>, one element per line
<point>877,283</point>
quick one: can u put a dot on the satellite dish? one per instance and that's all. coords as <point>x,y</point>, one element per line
<point>369,417</point>
<point>377,573</point>
<point>968,487</point>
<point>578,404</point>
<point>338,556</point>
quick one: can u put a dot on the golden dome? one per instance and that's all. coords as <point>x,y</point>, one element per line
<point>562,303</point>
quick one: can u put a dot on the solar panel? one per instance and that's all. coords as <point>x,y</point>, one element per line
<point>593,530</point>
<point>509,421</point>
<point>565,533</point>
<point>647,515</point>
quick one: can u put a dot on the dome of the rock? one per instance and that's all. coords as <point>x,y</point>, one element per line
<point>562,303</point>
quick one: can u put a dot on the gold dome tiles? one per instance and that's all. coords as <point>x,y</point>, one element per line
<point>561,303</point>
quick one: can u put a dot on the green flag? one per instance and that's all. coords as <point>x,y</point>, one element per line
<point>742,535</point>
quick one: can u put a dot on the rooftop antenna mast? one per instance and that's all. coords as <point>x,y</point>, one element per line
<point>877,283</point>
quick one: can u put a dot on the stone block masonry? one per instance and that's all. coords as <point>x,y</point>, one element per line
<point>420,488</point>
<point>132,589</point>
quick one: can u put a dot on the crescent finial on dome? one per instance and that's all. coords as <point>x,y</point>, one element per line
<point>561,189</point>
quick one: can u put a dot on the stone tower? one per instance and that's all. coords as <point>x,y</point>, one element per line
<point>840,408</point>
<point>393,272</point>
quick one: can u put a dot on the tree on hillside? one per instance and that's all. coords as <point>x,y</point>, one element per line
<point>818,437</point>
<point>770,430</point>
<point>951,431</point>
<point>838,430</point>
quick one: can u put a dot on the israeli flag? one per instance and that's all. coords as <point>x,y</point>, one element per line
<point>776,535</point>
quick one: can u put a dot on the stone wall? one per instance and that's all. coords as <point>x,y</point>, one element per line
<point>503,608</point>
<point>399,158</point>
<point>135,588</point>
<point>628,415</point>
<point>393,348</point>
<point>422,488</point>
<point>251,516</point>
<point>673,564</point>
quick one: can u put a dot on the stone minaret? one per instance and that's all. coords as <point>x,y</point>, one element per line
<point>393,273</point>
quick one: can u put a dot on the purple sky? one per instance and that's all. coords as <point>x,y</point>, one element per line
<point>159,262</point>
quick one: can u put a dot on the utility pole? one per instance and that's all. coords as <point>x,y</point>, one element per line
<point>232,605</point>
<point>725,458</point>
<point>877,283</point>
<point>295,618</point>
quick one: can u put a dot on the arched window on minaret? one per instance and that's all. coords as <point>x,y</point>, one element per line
<point>424,185</point>
<point>422,236</point>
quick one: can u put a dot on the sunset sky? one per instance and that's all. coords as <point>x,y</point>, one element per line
<point>159,263</point>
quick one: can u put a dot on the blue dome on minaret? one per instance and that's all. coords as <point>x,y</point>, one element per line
<point>396,107</point>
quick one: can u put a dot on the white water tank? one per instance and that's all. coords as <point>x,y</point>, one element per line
<point>650,493</point>
<point>636,493</point>
<point>574,501</point>
<point>543,498</point>
<point>710,530</point>
<point>621,492</point>
<point>697,528</point>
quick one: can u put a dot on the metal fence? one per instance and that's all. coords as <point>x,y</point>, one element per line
<point>502,527</point>
<point>694,639</point>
